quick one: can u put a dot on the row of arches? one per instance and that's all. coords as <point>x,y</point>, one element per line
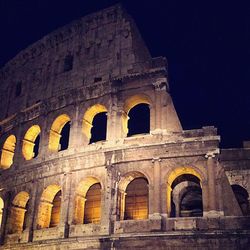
<point>132,198</point>
<point>135,120</point>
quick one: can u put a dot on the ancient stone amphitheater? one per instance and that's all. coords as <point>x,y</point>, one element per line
<point>93,155</point>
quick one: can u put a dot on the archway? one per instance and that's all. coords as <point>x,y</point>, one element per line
<point>95,123</point>
<point>49,207</point>
<point>136,116</point>
<point>88,201</point>
<point>18,213</point>
<point>242,197</point>
<point>31,142</point>
<point>133,197</point>
<point>8,152</point>
<point>59,133</point>
<point>184,193</point>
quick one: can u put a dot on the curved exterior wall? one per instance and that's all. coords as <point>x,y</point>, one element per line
<point>111,67</point>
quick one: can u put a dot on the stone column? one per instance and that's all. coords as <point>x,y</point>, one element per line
<point>157,184</point>
<point>212,192</point>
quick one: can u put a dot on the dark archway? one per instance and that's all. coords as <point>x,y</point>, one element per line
<point>64,140</point>
<point>99,128</point>
<point>139,119</point>
<point>242,196</point>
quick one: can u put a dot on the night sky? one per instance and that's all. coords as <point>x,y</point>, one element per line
<point>207,44</point>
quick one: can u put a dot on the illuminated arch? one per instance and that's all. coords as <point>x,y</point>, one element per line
<point>1,211</point>
<point>55,132</point>
<point>175,174</point>
<point>85,192</point>
<point>8,152</point>
<point>129,104</point>
<point>133,196</point>
<point>29,142</point>
<point>49,202</point>
<point>89,116</point>
<point>17,213</point>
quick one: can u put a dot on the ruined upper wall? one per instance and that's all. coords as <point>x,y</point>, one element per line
<point>96,48</point>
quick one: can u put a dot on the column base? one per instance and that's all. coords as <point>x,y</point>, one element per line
<point>213,214</point>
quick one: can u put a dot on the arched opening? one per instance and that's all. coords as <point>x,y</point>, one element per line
<point>49,207</point>
<point>8,151</point>
<point>139,120</point>
<point>186,196</point>
<point>95,123</point>
<point>31,141</point>
<point>242,196</point>
<point>136,200</point>
<point>59,133</point>
<point>1,211</point>
<point>92,212</point>
<point>99,129</point>
<point>17,217</point>
<point>88,202</point>
<point>136,116</point>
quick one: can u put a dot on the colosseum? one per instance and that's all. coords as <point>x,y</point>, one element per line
<point>93,155</point>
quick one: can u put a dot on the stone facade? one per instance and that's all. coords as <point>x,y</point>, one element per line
<point>100,64</point>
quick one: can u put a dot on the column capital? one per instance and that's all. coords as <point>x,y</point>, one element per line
<point>156,159</point>
<point>212,153</point>
<point>161,84</point>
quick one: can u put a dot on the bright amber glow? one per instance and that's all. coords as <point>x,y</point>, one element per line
<point>47,216</point>
<point>29,142</point>
<point>17,213</point>
<point>89,116</point>
<point>136,200</point>
<point>93,209</point>
<point>129,104</point>
<point>55,131</point>
<point>8,152</point>
<point>173,175</point>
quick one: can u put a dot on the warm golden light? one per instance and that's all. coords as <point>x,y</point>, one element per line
<point>17,213</point>
<point>173,175</point>
<point>55,132</point>
<point>1,211</point>
<point>89,116</point>
<point>8,152</point>
<point>45,216</point>
<point>88,203</point>
<point>29,142</point>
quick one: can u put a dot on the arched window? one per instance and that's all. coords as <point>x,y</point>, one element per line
<point>31,141</point>
<point>49,207</point>
<point>1,211</point>
<point>136,116</point>
<point>92,211</point>
<point>8,152</point>
<point>88,202</point>
<point>18,213</point>
<point>242,196</point>
<point>59,133</point>
<point>136,200</point>
<point>186,196</point>
<point>95,123</point>
<point>139,120</point>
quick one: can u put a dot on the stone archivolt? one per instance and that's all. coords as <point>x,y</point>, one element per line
<point>87,194</point>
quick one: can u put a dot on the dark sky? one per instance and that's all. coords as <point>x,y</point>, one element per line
<point>207,44</point>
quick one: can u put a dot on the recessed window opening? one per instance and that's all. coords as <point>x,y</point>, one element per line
<point>56,209</point>
<point>98,131</point>
<point>136,199</point>
<point>36,146</point>
<point>64,140</point>
<point>68,63</point>
<point>139,120</point>
<point>186,197</point>
<point>97,79</point>
<point>92,213</point>
<point>18,89</point>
